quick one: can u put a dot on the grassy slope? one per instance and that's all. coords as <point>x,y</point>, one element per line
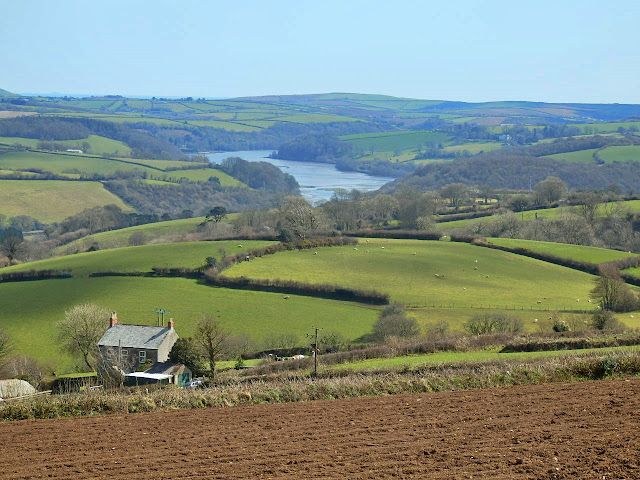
<point>633,205</point>
<point>202,175</point>
<point>387,141</point>
<point>411,278</point>
<point>142,258</point>
<point>31,310</point>
<point>575,252</point>
<point>621,154</point>
<point>59,164</point>
<point>121,237</point>
<point>53,200</point>
<point>490,355</point>
<point>99,145</point>
<point>581,156</point>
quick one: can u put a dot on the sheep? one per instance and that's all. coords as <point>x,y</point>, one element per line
<point>476,261</point>
<point>475,268</point>
<point>464,288</point>
<point>287,297</point>
<point>367,241</point>
<point>367,251</point>
<point>239,246</point>
<point>355,248</point>
<point>414,253</point>
<point>577,299</point>
<point>315,253</point>
<point>539,301</point>
<point>382,248</point>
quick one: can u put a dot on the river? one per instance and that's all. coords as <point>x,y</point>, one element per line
<point>317,180</point>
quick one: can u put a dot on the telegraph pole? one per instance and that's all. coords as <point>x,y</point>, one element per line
<point>314,345</point>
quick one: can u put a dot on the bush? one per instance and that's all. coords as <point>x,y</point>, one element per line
<point>605,320</point>
<point>393,322</point>
<point>490,323</point>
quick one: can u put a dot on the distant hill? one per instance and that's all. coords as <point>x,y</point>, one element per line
<point>4,94</point>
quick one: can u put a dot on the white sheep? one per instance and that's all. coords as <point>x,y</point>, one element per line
<point>315,253</point>
<point>414,253</point>
<point>355,248</point>
<point>239,246</point>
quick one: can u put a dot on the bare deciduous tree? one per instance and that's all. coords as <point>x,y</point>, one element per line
<point>80,330</point>
<point>211,339</point>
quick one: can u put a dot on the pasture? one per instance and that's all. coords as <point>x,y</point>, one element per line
<point>580,253</point>
<point>474,356</point>
<point>141,258</point>
<point>431,273</point>
<point>97,144</point>
<point>580,156</point>
<point>202,175</point>
<point>625,153</point>
<point>31,309</point>
<point>120,237</point>
<point>474,147</point>
<point>65,163</point>
<point>389,141</point>
<point>53,200</point>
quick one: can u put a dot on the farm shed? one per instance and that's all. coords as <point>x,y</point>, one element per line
<point>127,346</point>
<point>144,378</point>
<point>15,388</point>
<point>180,374</point>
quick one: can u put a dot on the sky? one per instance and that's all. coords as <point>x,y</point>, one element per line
<point>464,50</point>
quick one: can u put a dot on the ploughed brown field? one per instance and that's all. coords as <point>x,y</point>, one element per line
<point>588,430</point>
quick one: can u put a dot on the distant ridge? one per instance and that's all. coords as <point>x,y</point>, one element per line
<point>4,93</point>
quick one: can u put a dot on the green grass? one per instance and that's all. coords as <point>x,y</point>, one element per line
<point>101,145</point>
<point>604,127</point>
<point>31,309</point>
<point>621,153</point>
<point>234,127</point>
<point>315,118</point>
<point>513,280</point>
<point>489,355</point>
<point>63,163</point>
<point>203,175</point>
<point>141,258</point>
<point>120,238</point>
<point>632,205</point>
<point>389,141</point>
<point>575,252</point>
<point>474,147</point>
<point>580,156</point>
<point>53,200</point>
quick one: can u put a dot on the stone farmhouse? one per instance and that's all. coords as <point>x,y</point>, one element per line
<point>126,348</point>
<point>132,345</point>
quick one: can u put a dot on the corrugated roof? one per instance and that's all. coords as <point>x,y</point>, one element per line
<point>135,336</point>
<point>154,376</point>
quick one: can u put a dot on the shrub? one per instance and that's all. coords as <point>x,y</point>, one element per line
<point>489,323</point>
<point>393,322</point>
<point>605,320</point>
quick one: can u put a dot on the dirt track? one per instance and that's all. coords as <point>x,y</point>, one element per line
<point>580,430</point>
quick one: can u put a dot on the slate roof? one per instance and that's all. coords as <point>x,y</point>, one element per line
<point>135,336</point>
<point>167,368</point>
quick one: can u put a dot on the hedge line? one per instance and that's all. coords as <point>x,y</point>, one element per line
<point>400,234</point>
<point>570,344</point>
<point>34,275</point>
<point>587,267</point>
<point>306,244</point>
<point>293,287</point>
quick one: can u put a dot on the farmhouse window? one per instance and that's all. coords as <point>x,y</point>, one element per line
<point>143,356</point>
<point>124,352</point>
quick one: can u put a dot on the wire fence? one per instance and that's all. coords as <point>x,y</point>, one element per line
<point>497,306</point>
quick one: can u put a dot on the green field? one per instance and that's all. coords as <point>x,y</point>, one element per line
<point>604,127</point>
<point>141,258</point>
<point>64,163</point>
<point>474,147</point>
<point>575,252</point>
<point>389,141</point>
<point>411,278</point>
<point>53,200</point>
<point>234,127</point>
<point>100,145</point>
<point>120,237</point>
<point>580,156</point>
<point>489,355</point>
<point>202,175</point>
<point>621,154</point>
<point>632,205</point>
<point>31,310</point>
